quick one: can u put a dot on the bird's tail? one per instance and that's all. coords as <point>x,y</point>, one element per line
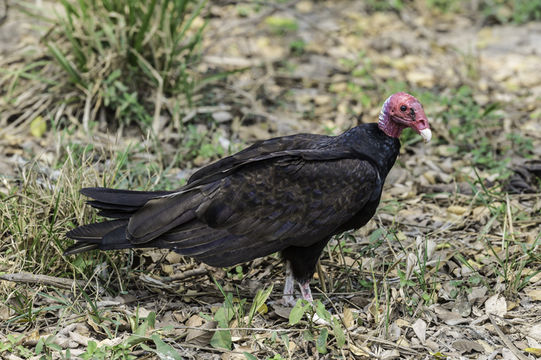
<point>116,204</point>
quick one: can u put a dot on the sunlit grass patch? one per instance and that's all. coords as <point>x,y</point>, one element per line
<point>126,60</point>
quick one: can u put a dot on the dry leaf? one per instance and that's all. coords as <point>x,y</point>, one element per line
<point>173,257</point>
<point>463,345</point>
<point>112,342</point>
<point>477,293</point>
<point>357,351</point>
<point>168,269</point>
<point>508,354</point>
<point>196,336</point>
<point>457,210</point>
<point>390,354</point>
<point>232,356</point>
<point>402,323</point>
<point>38,126</point>
<point>496,305</point>
<point>535,332</point>
<point>79,338</point>
<point>486,346</point>
<point>282,311</point>
<point>535,351</point>
<point>5,312</point>
<point>419,327</point>
<point>535,295</point>
<point>449,317</point>
<point>403,342</point>
<point>348,318</point>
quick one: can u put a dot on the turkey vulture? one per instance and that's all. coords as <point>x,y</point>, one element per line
<point>288,194</point>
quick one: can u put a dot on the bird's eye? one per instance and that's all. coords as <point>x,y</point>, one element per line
<point>403,108</point>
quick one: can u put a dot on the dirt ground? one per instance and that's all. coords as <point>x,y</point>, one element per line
<point>449,266</point>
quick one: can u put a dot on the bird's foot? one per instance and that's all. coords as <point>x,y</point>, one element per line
<point>287,300</point>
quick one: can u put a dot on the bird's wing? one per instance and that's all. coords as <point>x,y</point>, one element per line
<point>166,212</point>
<point>263,207</point>
<point>307,146</point>
<point>292,199</point>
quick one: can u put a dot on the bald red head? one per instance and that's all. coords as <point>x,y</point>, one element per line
<point>402,110</point>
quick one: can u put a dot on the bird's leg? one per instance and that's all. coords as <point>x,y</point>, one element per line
<point>305,291</point>
<point>307,295</point>
<point>289,287</point>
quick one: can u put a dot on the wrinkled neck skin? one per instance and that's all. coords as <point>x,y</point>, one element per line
<point>385,124</point>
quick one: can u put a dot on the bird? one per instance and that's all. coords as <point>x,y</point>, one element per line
<point>287,194</point>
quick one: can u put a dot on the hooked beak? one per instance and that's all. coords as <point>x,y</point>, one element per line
<point>421,126</point>
<point>426,134</point>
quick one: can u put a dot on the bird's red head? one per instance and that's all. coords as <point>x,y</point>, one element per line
<point>401,110</point>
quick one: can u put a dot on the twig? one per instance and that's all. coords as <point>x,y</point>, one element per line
<point>42,280</point>
<point>269,329</point>
<point>506,340</point>
<point>386,342</point>
<point>184,275</point>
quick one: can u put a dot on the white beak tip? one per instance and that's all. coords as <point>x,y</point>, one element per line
<point>426,134</point>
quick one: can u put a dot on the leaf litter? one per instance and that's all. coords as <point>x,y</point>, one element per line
<point>449,266</point>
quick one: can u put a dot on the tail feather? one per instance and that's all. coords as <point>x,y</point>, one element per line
<point>147,219</point>
<point>116,214</point>
<point>121,197</point>
<point>119,204</point>
<point>108,206</point>
<point>112,203</point>
<point>98,235</point>
<point>94,232</point>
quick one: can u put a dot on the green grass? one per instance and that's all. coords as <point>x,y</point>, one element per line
<point>126,62</point>
<point>137,50</point>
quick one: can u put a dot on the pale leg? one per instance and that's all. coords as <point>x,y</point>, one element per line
<point>306,292</point>
<point>289,288</point>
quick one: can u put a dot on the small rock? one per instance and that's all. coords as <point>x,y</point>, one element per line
<point>222,116</point>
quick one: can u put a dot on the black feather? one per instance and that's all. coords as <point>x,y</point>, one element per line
<point>121,197</point>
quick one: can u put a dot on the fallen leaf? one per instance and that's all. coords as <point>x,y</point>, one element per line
<point>496,305</point>
<point>403,342</point>
<point>535,351</point>
<point>282,311</point>
<point>486,346</point>
<point>232,356</point>
<point>449,317</point>
<point>390,354</point>
<point>419,327</point>
<point>535,295</point>
<point>173,257</point>
<point>463,345</point>
<point>402,322</point>
<point>168,269</point>
<point>348,318</point>
<point>199,336</point>
<point>477,293</point>
<point>38,126</point>
<point>357,351</point>
<point>457,210</point>
<point>535,332</point>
